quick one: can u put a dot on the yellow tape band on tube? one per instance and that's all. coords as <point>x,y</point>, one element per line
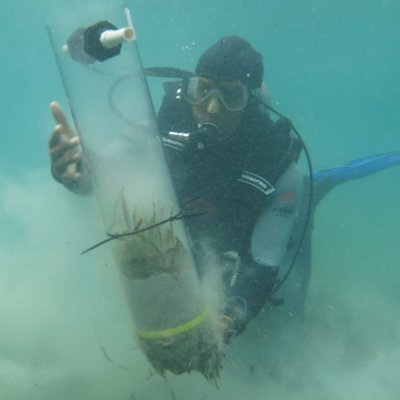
<point>176,330</point>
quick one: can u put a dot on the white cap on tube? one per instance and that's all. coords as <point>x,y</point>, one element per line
<point>110,38</point>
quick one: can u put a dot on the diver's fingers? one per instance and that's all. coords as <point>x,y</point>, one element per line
<point>224,325</point>
<point>65,168</point>
<point>63,150</point>
<point>59,143</point>
<point>59,116</point>
<point>62,134</point>
<point>69,157</point>
<point>70,175</point>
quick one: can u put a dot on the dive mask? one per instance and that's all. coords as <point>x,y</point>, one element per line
<point>233,94</point>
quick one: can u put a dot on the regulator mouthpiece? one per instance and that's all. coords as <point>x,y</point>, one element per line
<point>210,128</point>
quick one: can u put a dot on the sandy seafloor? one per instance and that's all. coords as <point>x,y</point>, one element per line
<point>333,67</point>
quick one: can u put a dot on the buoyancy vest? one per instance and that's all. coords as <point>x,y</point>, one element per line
<point>231,182</point>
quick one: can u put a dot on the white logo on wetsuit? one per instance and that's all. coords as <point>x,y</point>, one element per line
<point>257,181</point>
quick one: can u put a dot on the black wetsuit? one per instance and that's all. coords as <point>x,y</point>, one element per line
<point>231,183</point>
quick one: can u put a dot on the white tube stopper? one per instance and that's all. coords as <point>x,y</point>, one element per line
<point>110,38</point>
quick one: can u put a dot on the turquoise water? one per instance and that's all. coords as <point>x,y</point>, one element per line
<point>334,68</point>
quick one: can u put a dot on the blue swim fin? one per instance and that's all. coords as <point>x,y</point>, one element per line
<point>327,179</point>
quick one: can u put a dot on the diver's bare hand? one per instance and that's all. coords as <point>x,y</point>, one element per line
<point>225,326</point>
<point>63,148</point>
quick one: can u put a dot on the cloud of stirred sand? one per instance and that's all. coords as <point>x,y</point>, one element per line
<point>65,330</point>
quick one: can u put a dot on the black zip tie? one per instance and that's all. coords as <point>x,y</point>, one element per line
<point>112,236</point>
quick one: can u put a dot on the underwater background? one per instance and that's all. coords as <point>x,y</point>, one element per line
<point>333,67</point>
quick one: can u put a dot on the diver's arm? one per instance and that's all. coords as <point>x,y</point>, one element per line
<point>269,244</point>
<point>67,165</point>
<point>248,295</point>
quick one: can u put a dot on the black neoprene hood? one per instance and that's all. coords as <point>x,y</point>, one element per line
<point>233,57</point>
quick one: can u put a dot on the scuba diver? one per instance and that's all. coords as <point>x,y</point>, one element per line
<point>238,168</point>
